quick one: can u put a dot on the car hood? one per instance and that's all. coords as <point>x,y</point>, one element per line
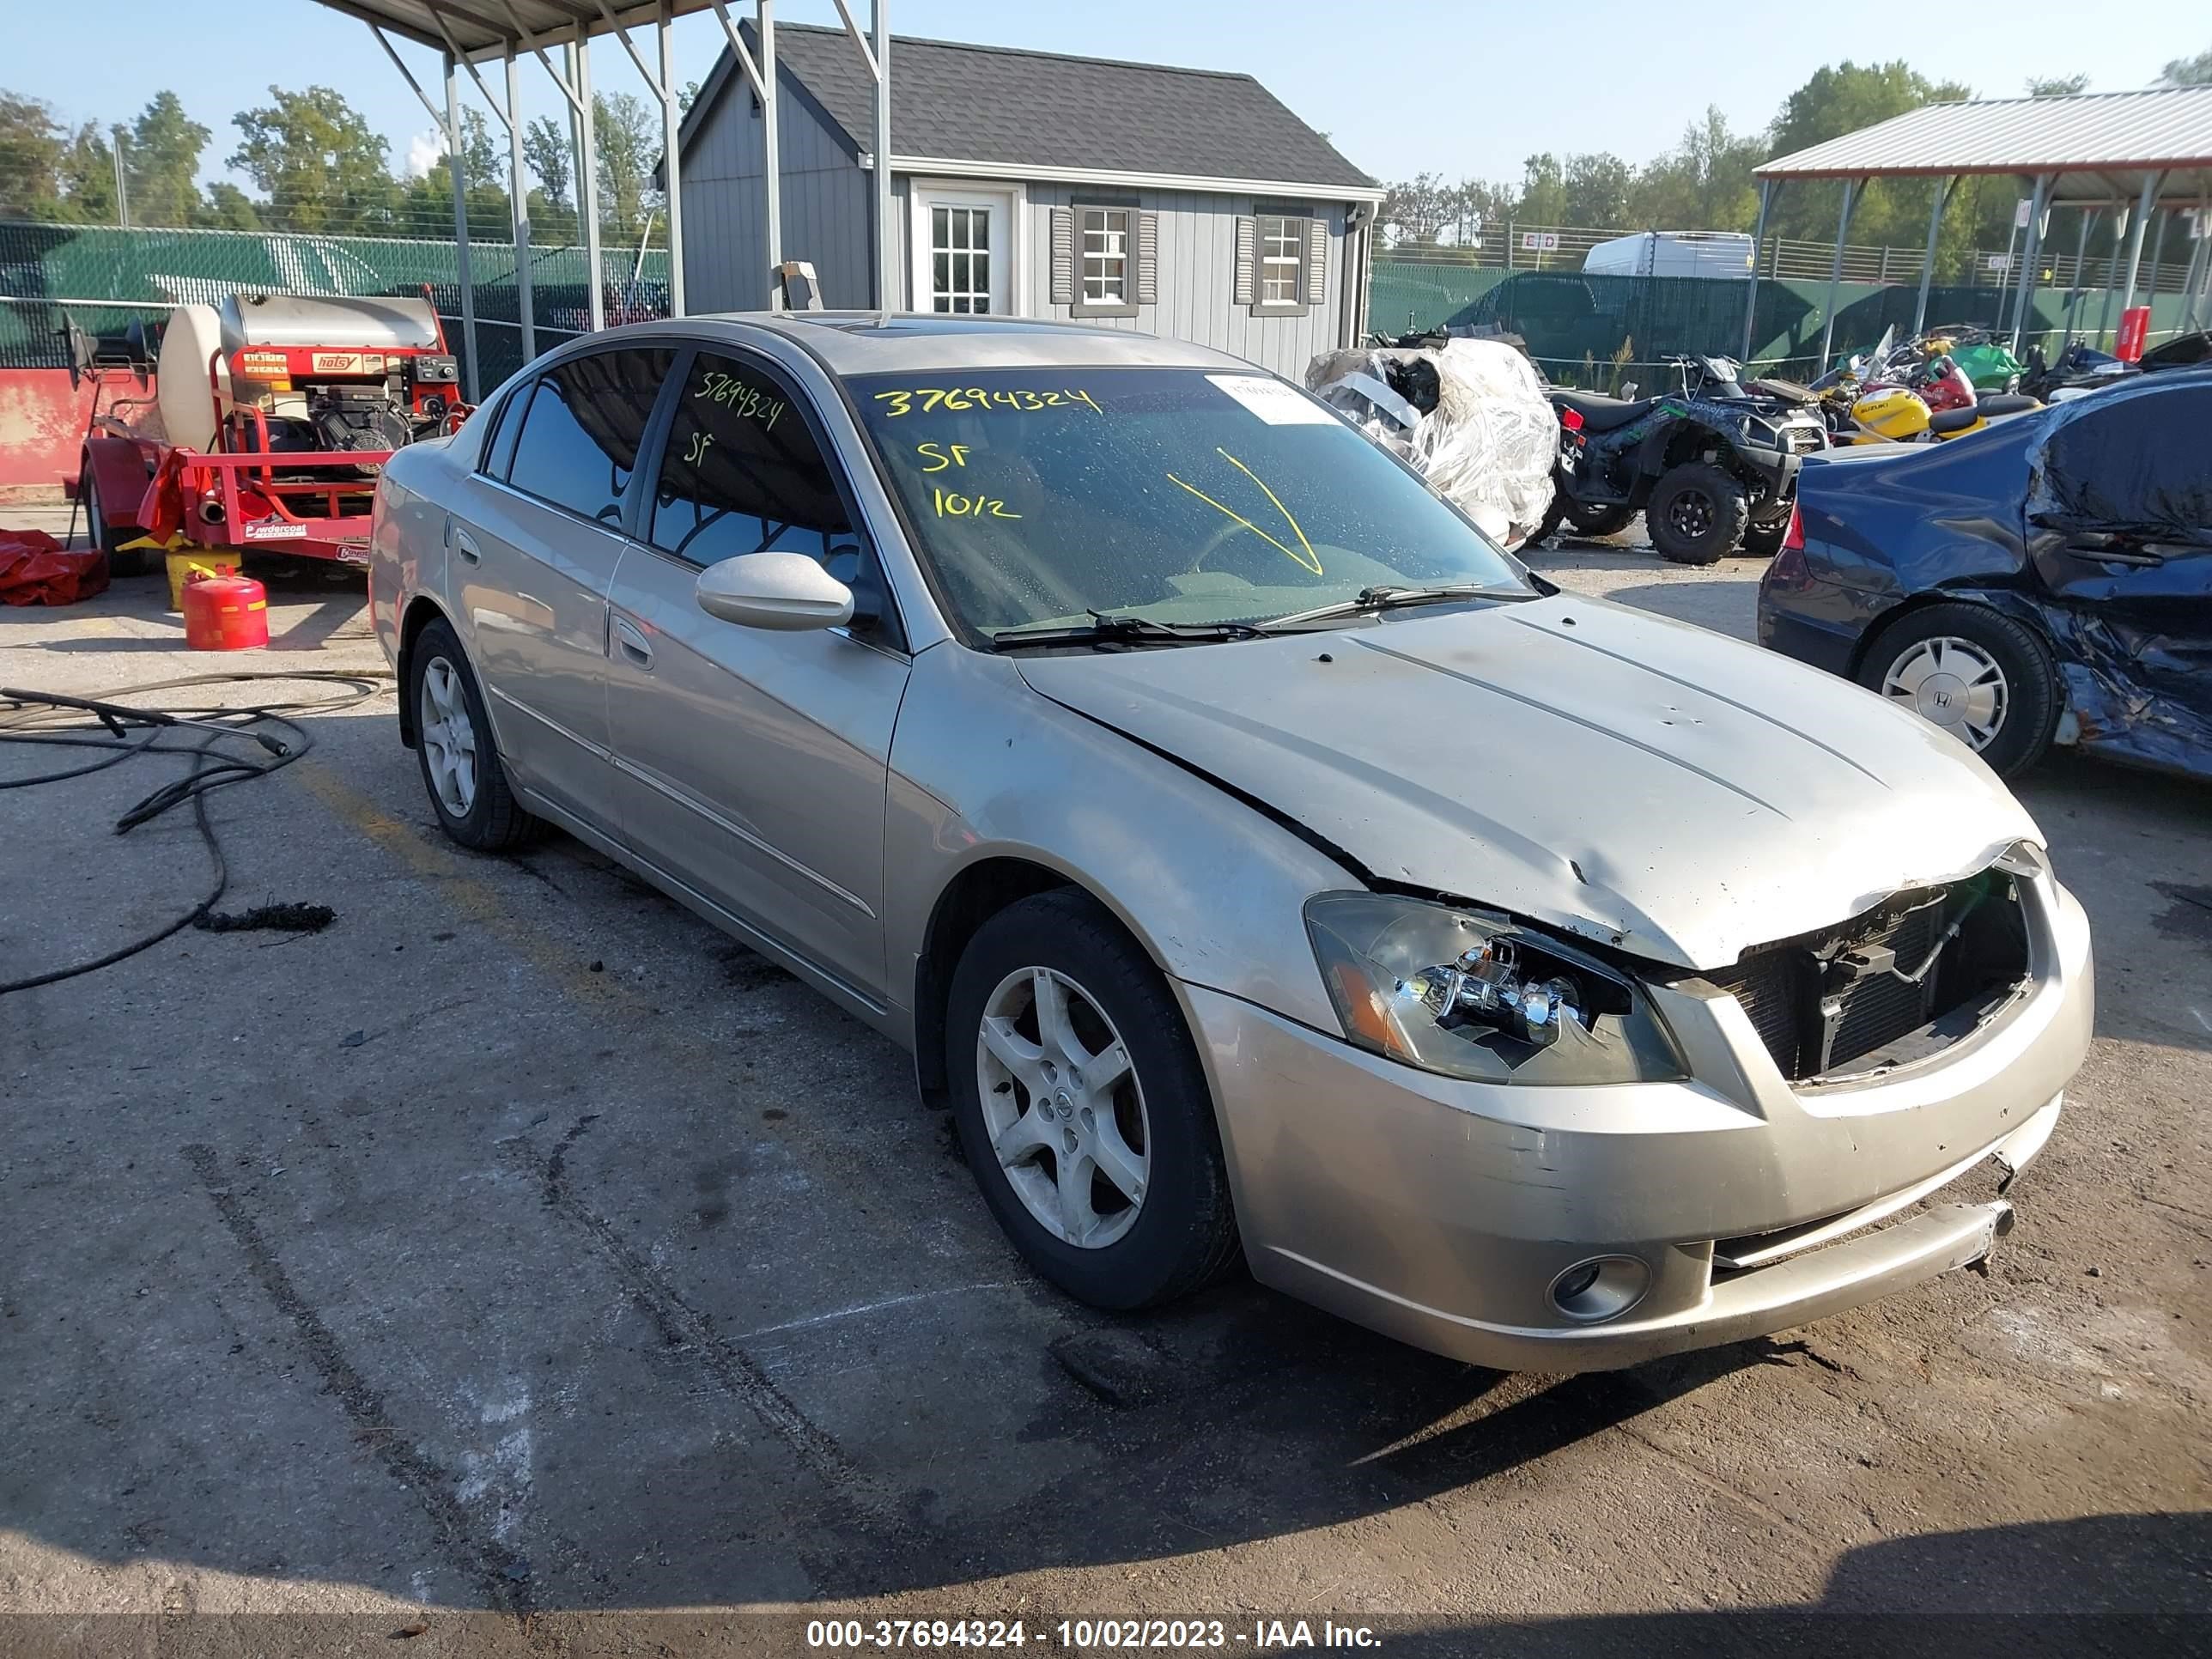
<point>1609,773</point>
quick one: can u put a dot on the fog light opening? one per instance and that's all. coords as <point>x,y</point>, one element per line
<point>1604,1287</point>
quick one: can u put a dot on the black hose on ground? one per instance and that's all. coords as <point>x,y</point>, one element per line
<point>128,731</point>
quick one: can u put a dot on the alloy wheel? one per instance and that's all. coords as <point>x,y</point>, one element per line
<point>1953,683</point>
<point>448,737</point>
<point>1064,1107</point>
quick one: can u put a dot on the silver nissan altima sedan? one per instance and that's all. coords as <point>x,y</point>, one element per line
<point>1259,862</point>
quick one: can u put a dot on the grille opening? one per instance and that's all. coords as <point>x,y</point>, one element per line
<point>1903,981</point>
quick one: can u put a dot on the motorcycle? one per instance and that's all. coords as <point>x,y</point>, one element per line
<point>1907,394</point>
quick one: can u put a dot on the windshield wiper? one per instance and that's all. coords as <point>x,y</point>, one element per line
<point>1372,600</point>
<point>1107,630</point>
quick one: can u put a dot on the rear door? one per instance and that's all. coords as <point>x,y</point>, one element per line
<point>753,763</point>
<point>2119,524</point>
<point>533,550</point>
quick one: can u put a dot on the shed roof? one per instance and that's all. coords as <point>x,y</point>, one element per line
<point>1030,111</point>
<point>2102,145</point>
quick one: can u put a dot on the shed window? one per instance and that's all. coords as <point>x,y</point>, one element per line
<point>1282,259</point>
<point>1105,255</point>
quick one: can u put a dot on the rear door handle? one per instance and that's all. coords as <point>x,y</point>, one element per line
<point>632,643</point>
<point>466,545</point>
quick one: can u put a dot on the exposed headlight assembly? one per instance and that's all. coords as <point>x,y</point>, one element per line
<point>1475,996</point>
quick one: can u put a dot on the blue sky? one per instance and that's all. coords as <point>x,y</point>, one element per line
<point>1402,86</point>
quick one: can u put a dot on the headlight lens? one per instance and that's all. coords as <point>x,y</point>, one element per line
<point>1477,997</point>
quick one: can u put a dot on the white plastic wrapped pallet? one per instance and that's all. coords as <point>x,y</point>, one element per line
<point>1489,443</point>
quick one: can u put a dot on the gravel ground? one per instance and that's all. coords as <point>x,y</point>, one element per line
<point>520,1259</point>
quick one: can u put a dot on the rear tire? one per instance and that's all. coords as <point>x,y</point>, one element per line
<point>1600,520</point>
<point>1986,655</point>
<point>1112,1002</point>
<point>461,769</point>
<point>1697,514</point>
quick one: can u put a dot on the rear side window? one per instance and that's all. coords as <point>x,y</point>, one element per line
<point>580,435</point>
<point>742,474</point>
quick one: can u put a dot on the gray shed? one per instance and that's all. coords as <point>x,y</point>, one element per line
<point>1186,203</point>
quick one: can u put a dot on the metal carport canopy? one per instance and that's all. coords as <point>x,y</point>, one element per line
<point>2135,152</point>
<point>468,32</point>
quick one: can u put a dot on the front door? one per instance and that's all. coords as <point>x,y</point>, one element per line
<point>752,764</point>
<point>963,249</point>
<point>533,548</point>
<point>2119,526</point>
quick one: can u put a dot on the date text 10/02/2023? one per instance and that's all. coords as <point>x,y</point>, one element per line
<point>1089,1635</point>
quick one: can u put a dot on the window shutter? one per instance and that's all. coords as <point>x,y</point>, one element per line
<point>1063,256</point>
<point>1247,235</point>
<point>1148,258</point>
<point>1316,260</point>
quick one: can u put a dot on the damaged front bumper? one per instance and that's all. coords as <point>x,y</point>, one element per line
<point>1451,1214</point>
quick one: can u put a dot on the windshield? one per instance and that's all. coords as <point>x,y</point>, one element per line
<point>1178,495</point>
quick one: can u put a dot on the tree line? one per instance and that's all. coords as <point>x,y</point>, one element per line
<point>1706,183</point>
<point>316,166</point>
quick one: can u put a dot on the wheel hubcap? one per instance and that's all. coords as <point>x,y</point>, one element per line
<point>1691,515</point>
<point>1063,1108</point>
<point>448,737</point>
<point>1953,683</point>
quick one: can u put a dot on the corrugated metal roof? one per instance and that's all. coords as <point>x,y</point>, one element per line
<point>2113,134</point>
<point>481,28</point>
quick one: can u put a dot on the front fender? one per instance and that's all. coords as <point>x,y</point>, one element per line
<point>122,467</point>
<point>983,767</point>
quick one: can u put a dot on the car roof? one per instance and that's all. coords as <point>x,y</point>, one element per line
<point>850,342</point>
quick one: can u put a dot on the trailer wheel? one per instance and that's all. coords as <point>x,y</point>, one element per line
<point>133,561</point>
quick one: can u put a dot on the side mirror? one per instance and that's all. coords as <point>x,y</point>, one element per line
<point>786,592</point>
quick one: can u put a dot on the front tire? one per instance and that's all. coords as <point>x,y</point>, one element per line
<point>1083,1111</point>
<point>461,769</point>
<point>1981,677</point>
<point>1697,514</point>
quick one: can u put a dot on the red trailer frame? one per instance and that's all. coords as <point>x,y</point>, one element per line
<point>235,498</point>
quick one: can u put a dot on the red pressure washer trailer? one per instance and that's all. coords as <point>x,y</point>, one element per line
<point>277,414</point>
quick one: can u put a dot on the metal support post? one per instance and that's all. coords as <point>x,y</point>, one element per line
<point>2030,252</point>
<point>1945,189</point>
<point>519,189</point>
<point>1836,272</point>
<point>762,76</point>
<point>2146,208</point>
<point>462,272</point>
<point>588,181</point>
<point>672,170</point>
<point>2081,259</point>
<point>1766,189</point>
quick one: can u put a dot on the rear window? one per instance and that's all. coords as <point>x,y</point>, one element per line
<point>580,435</point>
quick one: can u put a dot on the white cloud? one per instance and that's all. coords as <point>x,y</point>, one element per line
<point>424,151</point>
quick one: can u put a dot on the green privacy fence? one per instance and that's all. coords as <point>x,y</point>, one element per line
<point>1577,325</point>
<point>43,266</point>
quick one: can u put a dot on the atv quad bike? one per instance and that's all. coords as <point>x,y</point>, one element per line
<point>1711,468</point>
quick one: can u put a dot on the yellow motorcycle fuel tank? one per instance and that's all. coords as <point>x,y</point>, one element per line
<point>1894,412</point>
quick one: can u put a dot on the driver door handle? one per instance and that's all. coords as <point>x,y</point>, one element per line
<point>630,640</point>
<point>466,545</point>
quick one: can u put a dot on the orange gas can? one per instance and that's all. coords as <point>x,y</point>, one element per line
<point>225,613</point>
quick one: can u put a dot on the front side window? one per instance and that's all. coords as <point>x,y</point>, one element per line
<point>1106,256</point>
<point>1282,260</point>
<point>742,474</point>
<point>960,258</point>
<point>1180,494</point>
<point>580,436</point>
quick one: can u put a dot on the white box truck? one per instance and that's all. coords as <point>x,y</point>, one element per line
<point>1672,254</point>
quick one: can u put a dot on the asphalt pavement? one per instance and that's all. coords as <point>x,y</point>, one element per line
<point>519,1264</point>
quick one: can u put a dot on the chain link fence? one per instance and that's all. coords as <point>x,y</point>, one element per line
<point>104,277</point>
<point>1780,257</point>
<point>1597,331</point>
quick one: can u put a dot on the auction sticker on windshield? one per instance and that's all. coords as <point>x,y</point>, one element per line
<point>1272,400</point>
